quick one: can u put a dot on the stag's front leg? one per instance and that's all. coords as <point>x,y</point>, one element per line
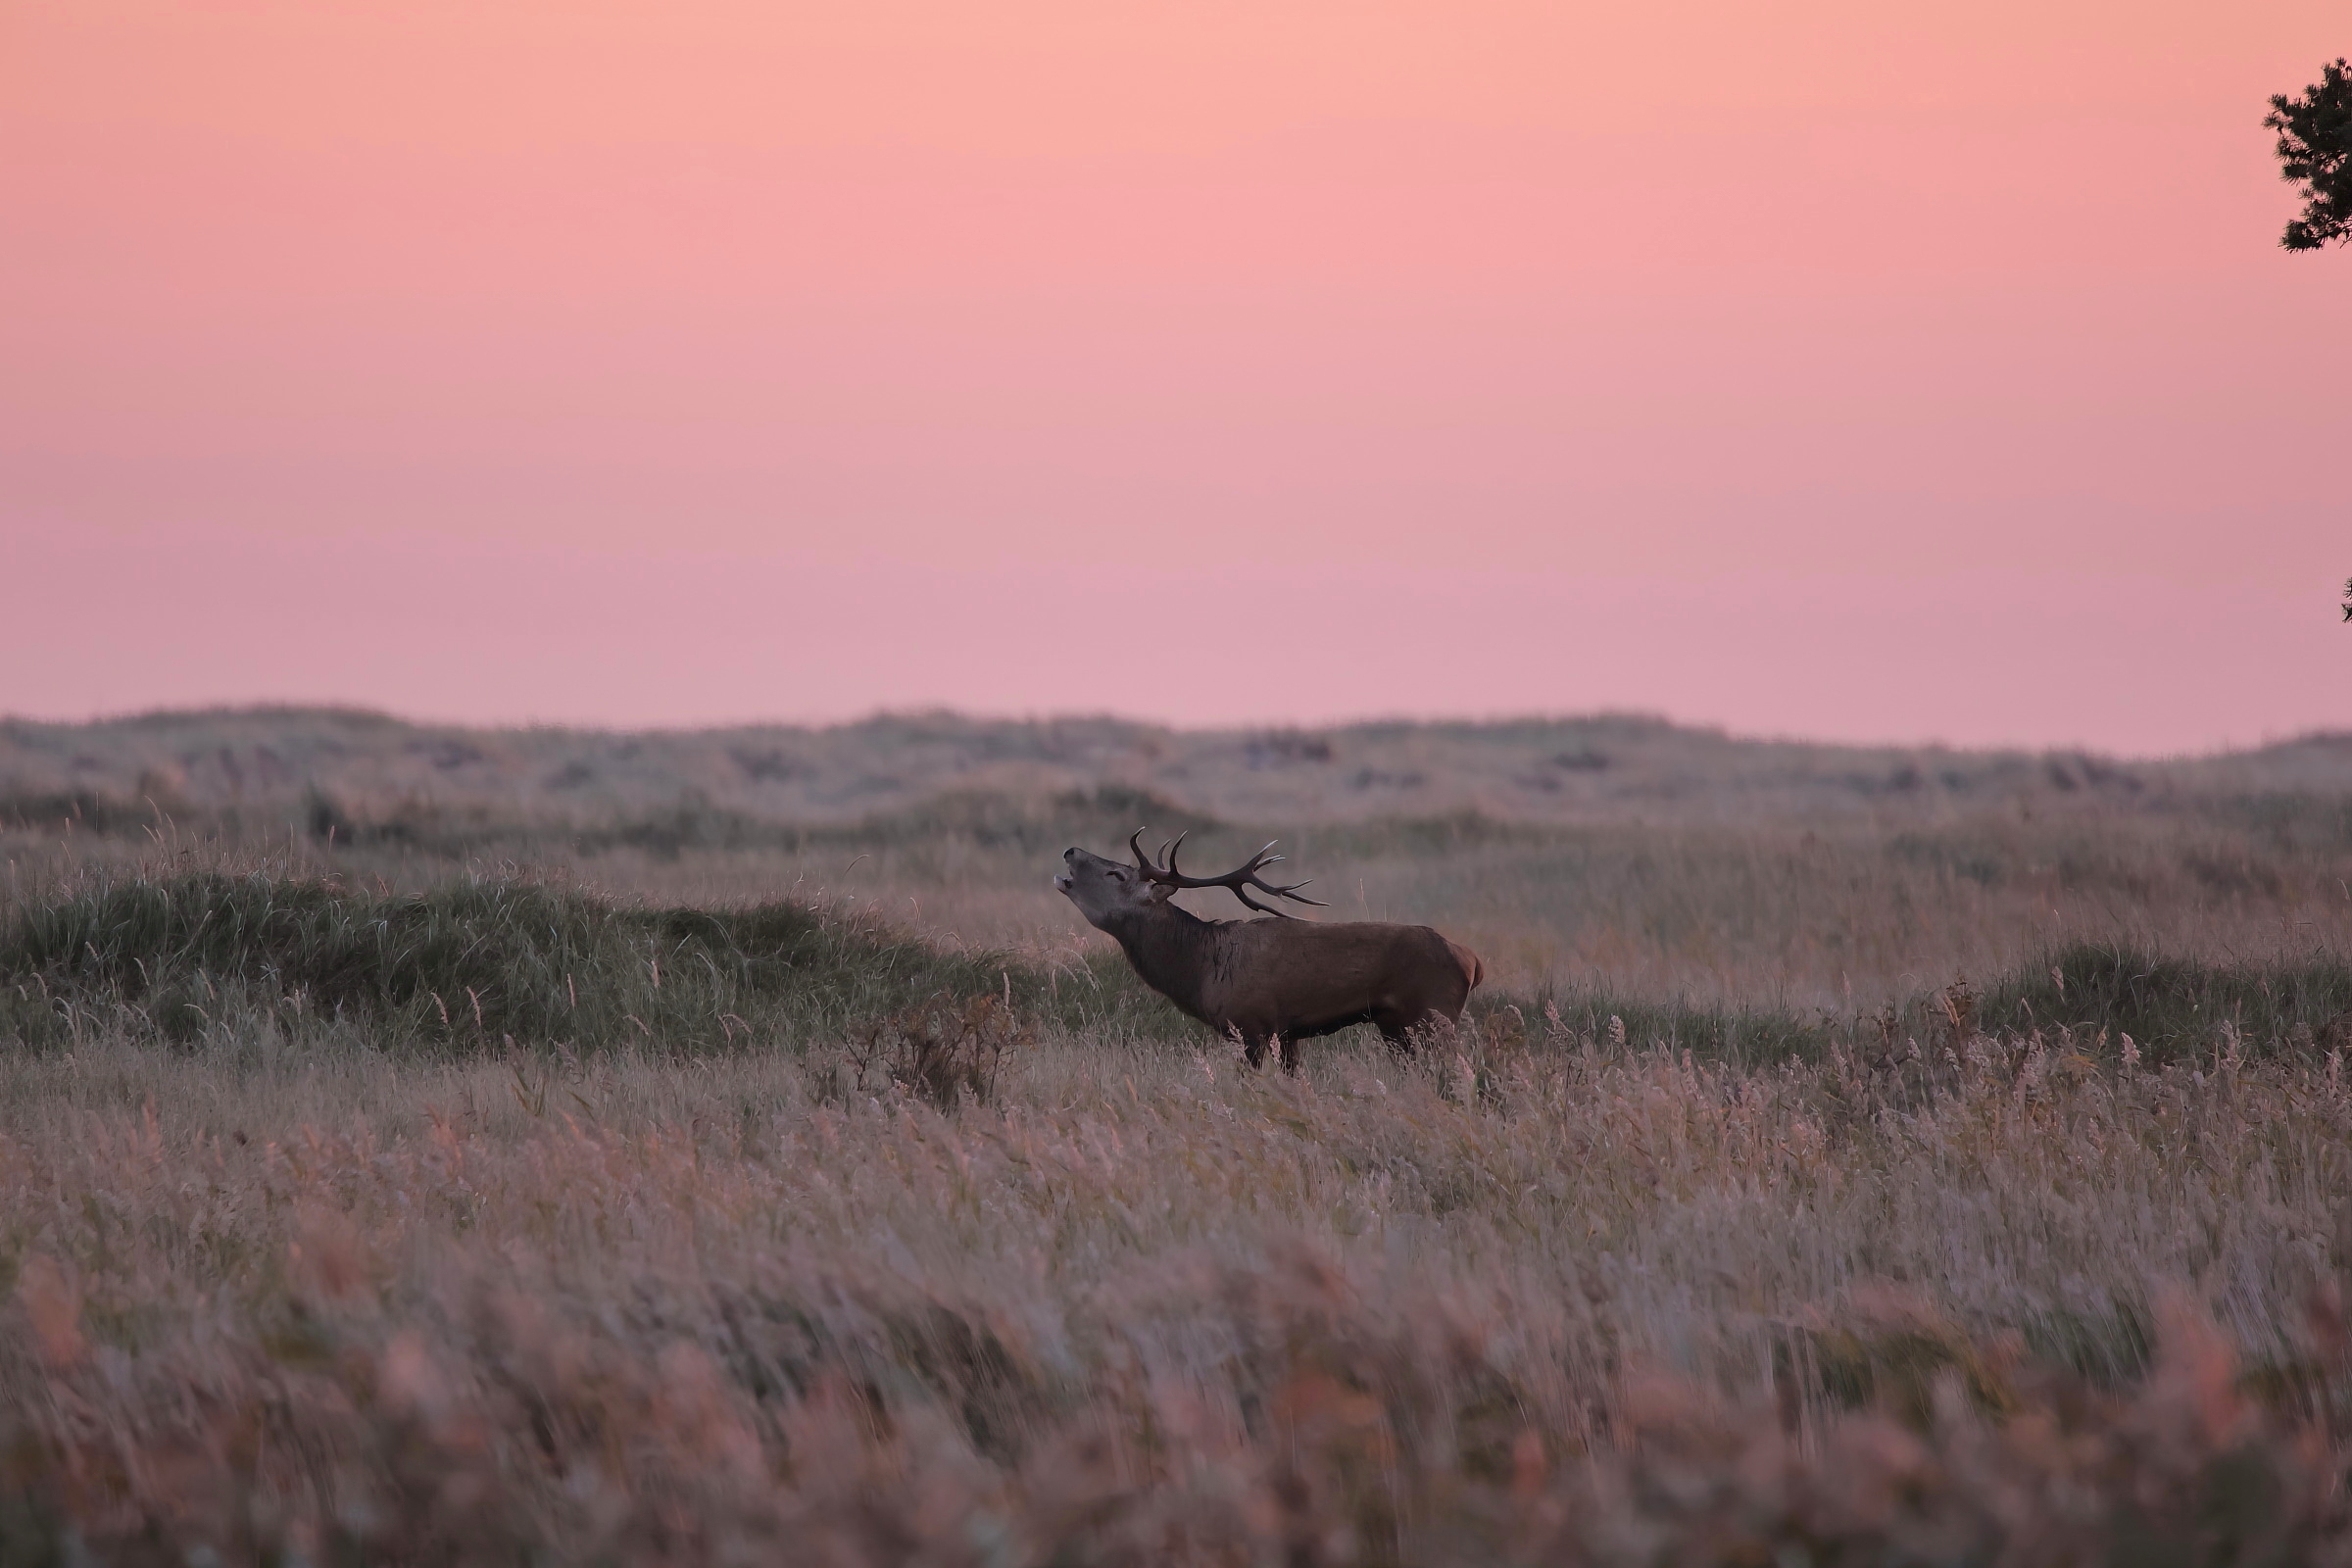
<point>1290,1054</point>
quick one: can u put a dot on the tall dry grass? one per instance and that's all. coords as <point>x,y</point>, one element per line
<point>1539,1298</point>
<point>1838,917</point>
<point>2003,1214</point>
<point>1613,854</point>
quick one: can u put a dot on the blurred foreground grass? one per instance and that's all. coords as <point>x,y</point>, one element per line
<point>1536,1297</point>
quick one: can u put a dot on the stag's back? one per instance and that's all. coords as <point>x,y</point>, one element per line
<point>1296,976</point>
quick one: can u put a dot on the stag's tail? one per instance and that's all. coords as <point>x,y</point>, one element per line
<point>1472,971</point>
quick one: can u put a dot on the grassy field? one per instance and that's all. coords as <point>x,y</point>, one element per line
<point>424,1145</point>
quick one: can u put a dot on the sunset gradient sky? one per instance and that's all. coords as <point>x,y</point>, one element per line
<point>1833,368</point>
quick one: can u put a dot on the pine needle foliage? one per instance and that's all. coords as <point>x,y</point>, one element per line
<point>2314,151</point>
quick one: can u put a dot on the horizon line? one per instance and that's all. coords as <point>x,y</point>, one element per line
<point>936,712</point>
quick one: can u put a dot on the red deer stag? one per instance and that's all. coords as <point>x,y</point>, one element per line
<point>1268,980</point>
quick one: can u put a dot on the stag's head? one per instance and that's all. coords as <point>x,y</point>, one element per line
<point>1105,891</point>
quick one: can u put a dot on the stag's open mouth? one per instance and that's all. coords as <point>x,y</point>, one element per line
<point>1061,882</point>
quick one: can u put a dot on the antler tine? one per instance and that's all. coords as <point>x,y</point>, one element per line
<point>1143,861</point>
<point>1293,894</point>
<point>1167,850</point>
<point>1263,858</point>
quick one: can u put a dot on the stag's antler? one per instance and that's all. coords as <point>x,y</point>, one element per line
<point>1238,881</point>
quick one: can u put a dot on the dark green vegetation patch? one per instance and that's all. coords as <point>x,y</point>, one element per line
<point>475,964</point>
<point>471,964</point>
<point>2179,1008</point>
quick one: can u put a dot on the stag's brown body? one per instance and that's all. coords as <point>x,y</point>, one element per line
<point>1271,980</point>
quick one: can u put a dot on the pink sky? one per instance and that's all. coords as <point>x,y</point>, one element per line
<point>1827,368</point>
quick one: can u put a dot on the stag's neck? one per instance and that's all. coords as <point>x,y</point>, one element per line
<point>1172,949</point>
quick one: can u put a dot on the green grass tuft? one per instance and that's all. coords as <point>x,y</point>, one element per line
<point>2179,1008</point>
<point>468,966</point>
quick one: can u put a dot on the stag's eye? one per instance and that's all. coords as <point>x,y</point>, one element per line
<point>1118,876</point>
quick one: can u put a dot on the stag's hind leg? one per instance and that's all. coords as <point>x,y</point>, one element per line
<point>1404,1031</point>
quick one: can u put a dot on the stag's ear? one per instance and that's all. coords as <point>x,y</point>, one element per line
<point>1161,892</point>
